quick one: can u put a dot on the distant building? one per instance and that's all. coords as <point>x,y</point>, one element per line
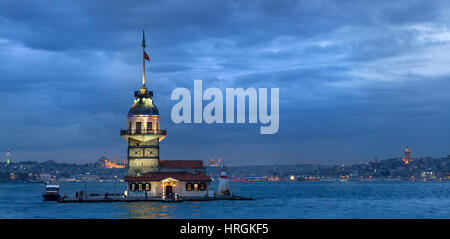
<point>214,163</point>
<point>407,158</point>
<point>428,174</point>
<point>87,177</point>
<point>46,176</point>
<point>274,176</point>
<point>104,162</point>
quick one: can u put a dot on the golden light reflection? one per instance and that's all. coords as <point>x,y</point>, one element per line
<point>148,210</point>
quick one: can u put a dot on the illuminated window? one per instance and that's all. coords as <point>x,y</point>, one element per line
<point>195,186</point>
<point>138,127</point>
<point>202,186</point>
<point>140,187</point>
<point>149,126</point>
<point>147,187</point>
<point>188,187</point>
<point>133,187</point>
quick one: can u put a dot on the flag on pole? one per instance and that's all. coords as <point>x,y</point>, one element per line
<point>146,56</point>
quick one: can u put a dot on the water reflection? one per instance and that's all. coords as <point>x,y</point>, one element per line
<point>148,210</point>
<point>273,200</point>
<point>195,207</point>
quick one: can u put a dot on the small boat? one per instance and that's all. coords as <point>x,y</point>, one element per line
<point>343,180</point>
<point>51,192</point>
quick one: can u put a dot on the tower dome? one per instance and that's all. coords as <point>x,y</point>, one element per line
<point>143,106</point>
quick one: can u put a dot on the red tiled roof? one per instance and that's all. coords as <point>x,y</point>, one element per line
<point>159,176</point>
<point>181,164</point>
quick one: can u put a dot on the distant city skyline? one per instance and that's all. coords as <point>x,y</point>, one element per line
<point>357,80</point>
<point>217,161</point>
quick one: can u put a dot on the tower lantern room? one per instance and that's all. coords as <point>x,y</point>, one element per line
<point>143,131</point>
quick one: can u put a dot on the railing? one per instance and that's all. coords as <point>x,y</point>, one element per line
<point>142,131</point>
<point>148,94</point>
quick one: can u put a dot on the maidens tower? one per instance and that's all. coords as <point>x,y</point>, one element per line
<point>143,132</point>
<point>150,178</point>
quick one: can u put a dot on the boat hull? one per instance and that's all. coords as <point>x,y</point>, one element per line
<point>51,197</point>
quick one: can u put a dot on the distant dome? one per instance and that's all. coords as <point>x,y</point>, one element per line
<point>143,106</point>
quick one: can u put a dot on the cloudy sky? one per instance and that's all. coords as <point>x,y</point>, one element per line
<point>357,80</point>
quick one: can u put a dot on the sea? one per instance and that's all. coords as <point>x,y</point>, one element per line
<point>283,200</point>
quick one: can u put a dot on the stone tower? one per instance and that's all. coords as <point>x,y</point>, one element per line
<point>407,158</point>
<point>143,132</point>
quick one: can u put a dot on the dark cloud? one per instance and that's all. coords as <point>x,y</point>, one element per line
<point>357,78</point>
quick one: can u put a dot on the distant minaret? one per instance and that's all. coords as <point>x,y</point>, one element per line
<point>8,157</point>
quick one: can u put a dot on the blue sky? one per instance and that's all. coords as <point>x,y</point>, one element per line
<point>357,80</point>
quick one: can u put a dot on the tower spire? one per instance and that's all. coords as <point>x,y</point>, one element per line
<point>143,58</point>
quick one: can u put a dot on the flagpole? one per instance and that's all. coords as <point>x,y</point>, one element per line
<point>143,59</point>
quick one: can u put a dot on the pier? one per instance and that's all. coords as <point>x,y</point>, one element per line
<point>121,198</point>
